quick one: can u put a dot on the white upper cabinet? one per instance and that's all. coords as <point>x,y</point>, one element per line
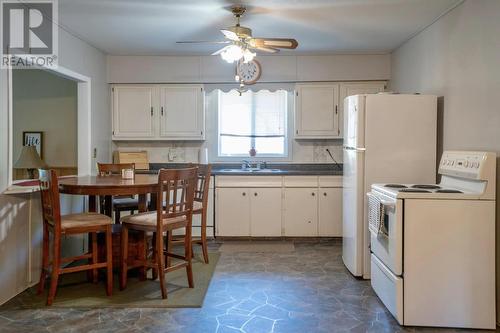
<point>316,111</point>
<point>357,88</point>
<point>181,112</point>
<point>158,112</point>
<point>319,107</point>
<point>134,108</point>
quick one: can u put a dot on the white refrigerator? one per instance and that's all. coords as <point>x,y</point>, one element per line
<point>388,138</point>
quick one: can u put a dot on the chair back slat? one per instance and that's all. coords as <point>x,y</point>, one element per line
<point>49,190</point>
<point>176,189</point>
<point>107,169</point>
<point>204,174</point>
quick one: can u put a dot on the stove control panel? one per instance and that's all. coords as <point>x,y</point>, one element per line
<point>467,164</point>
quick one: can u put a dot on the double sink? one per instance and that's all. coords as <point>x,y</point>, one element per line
<point>251,170</point>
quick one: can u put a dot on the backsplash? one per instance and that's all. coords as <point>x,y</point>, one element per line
<point>302,151</point>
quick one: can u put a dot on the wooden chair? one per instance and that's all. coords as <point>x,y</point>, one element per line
<point>119,203</point>
<point>199,207</point>
<point>176,189</point>
<point>58,226</point>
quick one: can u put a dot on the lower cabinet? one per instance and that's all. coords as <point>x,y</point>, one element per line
<point>248,212</point>
<point>233,212</point>
<point>291,206</point>
<point>330,212</point>
<point>265,212</point>
<point>301,212</point>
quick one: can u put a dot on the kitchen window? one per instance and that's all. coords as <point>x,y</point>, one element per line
<point>252,120</point>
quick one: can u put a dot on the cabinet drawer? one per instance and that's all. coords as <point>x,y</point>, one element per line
<point>300,181</point>
<point>330,181</point>
<point>388,287</point>
<point>248,181</point>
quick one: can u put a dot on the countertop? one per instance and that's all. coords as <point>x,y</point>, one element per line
<point>275,169</point>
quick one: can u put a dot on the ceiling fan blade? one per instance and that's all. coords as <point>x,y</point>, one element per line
<point>220,50</point>
<point>266,49</point>
<point>282,43</point>
<point>202,42</point>
<point>230,35</point>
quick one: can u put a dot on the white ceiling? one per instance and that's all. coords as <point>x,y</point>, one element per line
<point>151,27</point>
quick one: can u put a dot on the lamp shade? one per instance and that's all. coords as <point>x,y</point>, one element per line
<point>29,159</point>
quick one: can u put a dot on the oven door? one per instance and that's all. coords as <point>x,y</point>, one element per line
<point>389,248</point>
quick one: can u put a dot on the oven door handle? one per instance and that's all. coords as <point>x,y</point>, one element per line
<point>382,201</point>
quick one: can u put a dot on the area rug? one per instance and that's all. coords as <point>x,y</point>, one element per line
<point>75,292</point>
<point>256,246</point>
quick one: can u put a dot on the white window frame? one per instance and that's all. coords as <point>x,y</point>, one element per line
<point>213,107</point>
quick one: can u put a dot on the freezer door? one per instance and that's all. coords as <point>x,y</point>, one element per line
<point>354,121</point>
<point>353,210</point>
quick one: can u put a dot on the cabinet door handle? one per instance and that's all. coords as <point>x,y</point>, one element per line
<point>308,221</point>
<point>151,111</point>
<point>313,194</point>
<point>162,110</point>
<point>243,194</point>
<point>324,194</point>
<point>255,194</point>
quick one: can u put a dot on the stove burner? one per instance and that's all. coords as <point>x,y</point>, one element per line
<point>448,191</point>
<point>426,187</point>
<point>414,190</point>
<point>395,186</point>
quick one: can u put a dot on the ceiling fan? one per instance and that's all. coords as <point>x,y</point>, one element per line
<point>241,43</point>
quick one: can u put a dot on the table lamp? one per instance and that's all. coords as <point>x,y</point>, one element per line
<point>29,159</point>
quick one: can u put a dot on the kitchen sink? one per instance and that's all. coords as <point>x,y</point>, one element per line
<point>250,170</point>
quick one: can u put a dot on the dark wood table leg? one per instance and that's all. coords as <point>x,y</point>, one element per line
<point>143,204</point>
<point>108,205</point>
<point>92,204</point>
<point>152,203</point>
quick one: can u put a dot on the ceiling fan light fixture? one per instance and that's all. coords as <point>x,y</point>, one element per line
<point>232,53</point>
<point>248,55</point>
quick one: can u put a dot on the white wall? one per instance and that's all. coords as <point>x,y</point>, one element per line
<point>84,59</point>
<point>212,69</point>
<point>458,58</point>
<point>45,102</point>
<point>276,68</point>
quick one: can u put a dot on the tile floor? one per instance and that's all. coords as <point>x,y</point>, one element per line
<point>304,291</point>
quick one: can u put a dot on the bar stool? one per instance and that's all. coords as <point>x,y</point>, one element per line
<point>199,208</point>
<point>176,189</point>
<point>119,203</point>
<point>58,226</point>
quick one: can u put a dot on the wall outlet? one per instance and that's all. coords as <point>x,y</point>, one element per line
<point>172,154</point>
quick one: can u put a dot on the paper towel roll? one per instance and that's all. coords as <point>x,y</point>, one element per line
<point>203,156</point>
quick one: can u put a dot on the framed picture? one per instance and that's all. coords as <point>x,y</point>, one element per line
<point>34,139</point>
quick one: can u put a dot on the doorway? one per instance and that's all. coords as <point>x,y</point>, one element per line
<point>44,116</point>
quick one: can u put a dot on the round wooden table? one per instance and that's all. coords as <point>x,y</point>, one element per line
<point>109,186</point>
<point>92,186</point>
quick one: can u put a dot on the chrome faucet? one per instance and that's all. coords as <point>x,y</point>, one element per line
<point>246,164</point>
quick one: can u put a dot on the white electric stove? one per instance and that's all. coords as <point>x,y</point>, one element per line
<point>433,245</point>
